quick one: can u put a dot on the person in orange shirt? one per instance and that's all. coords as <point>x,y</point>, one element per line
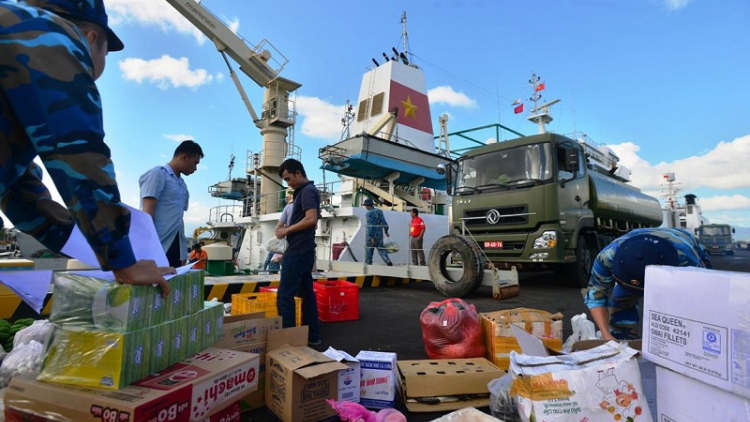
<point>416,238</point>
<point>199,255</point>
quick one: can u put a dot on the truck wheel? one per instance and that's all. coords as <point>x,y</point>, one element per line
<point>580,272</point>
<point>471,258</point>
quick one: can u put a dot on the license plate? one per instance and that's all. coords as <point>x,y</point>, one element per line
<point>493,245</point>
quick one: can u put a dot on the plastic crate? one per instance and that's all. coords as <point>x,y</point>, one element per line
<point>338,300</point>
<point>269,289</point>
<point>247,303</point>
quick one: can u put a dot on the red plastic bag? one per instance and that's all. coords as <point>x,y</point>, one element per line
<point>451,330</point>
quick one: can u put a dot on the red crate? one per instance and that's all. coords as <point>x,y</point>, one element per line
<point>269,289</point>
<point>338,300</point>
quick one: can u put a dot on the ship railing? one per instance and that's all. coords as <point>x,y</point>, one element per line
<point>224,214</point>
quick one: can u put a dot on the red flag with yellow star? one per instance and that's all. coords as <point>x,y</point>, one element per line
<point>413,107</point>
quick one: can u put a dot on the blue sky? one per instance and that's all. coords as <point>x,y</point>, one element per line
<point>659,81</point>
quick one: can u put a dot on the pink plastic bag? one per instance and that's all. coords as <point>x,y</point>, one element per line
<point>451,330</point>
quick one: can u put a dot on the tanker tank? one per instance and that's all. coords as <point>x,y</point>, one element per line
<point>615,200</point>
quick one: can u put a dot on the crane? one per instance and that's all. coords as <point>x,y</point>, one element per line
<point>262,63</point>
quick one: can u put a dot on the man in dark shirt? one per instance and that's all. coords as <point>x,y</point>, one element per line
<point>299,258</point>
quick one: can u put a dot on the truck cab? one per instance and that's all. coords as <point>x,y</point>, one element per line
<point>717,238</point>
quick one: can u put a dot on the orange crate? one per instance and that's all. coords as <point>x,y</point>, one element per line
<point>247,303</point>
<point>338,300</point>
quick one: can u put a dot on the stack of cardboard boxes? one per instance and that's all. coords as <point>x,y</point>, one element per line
<point>696,330</point>
<point>124,354</point>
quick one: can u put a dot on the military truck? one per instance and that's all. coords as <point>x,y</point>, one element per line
<point>538,202</point>
<point>717,238</point>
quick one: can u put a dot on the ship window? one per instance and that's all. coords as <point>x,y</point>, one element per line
<point>377,104</point>
<point>362,113</point>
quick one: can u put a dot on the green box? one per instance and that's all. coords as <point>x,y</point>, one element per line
<point>160,348</point>
<point>87,300</point>
<point>195,291</point>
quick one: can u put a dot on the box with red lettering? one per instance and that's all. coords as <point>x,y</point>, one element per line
<point>190,391</point>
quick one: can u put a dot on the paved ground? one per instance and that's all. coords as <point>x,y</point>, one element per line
<point>389,317</point>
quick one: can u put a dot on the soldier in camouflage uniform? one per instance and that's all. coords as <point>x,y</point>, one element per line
<point>617,278</point>
<point>51,52</point>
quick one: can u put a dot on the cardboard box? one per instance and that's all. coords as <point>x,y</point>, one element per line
<point>499,338</point>
<point>299,380</point>
<point>188,391</point>
<point>696,323</point>
<point>245,329</point>
<point>684,399</point>
<point>379,379</point>
<point>467,414</point>
<point>424,384</point>
<point>349,378</point>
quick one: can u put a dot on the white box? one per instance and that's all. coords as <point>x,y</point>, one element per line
<point>684,399</point>
<point>378,384</point>
<point>697,322</point>
<point>349,377</point>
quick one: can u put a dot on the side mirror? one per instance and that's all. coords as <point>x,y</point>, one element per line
<point>571,160</point>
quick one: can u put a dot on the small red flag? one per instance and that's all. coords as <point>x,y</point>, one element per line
<point>539,87</point>
<point>518,109</point>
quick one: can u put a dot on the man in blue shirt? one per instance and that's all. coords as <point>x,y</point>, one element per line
<point>619,272</point>
<point>376,225</point>
<point>165,196</point>
<point>51,54</point>
<point>299,258</point>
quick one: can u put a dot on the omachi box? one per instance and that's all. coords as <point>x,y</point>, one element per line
<point>378,372</point>
<point>684,399</point>
<point>499,338</point>
<point>298,382</point>
<point>349,378</point>
<point>190,391</point>
<point>421,382</point>
<point>696,323</point>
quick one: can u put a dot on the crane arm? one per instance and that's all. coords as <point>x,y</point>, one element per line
<point>254,62</point>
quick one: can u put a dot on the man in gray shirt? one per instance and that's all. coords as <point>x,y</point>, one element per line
<point>165,197</point>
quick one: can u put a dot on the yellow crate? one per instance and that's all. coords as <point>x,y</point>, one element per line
<point>247,303</point>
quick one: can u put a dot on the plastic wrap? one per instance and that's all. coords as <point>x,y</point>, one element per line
<point>451,329</point>
<point>583,329</point>
<point>25,359</point>
<point>502,403</point>
<point>94,302</point>
<point>39,331</point>
<point>276,245</point>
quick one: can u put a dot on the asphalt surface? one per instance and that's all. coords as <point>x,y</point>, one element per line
<point>389,317</point>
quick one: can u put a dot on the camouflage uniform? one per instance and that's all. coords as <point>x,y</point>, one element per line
<point>50,107</point>
<point>624,304</point>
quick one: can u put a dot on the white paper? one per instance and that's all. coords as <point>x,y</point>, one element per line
<point>143,238</point>
<point>530,345</point>
<point>30,286</point>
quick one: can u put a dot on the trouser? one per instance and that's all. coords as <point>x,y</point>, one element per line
<point>369,250</point>
<point>417,250</point>
<point>296,280</point>
<point>173,253</point>
<point>624,314</point>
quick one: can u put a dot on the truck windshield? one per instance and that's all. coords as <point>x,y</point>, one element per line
<point>715,231</point>
<point>508,168</point>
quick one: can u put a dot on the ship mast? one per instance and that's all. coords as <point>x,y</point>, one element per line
<point>405,35</point>
<point>540,113</point>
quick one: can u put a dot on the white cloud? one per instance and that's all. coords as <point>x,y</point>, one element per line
<point>177,137</point>
<point>152,13</point>
<point>724,167</point>
<point>446,95</point>
<point>196,215</point>
<point>675,4</point>
<point>165,72</point>
<point>725,202</point>
<point>320,119</point>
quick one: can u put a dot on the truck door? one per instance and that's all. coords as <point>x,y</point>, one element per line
<point>573,192</point>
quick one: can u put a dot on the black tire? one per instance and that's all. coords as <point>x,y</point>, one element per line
<point>473,266</point>
<point>580,272</point>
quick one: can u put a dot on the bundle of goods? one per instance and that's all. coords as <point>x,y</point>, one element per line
<point>451,330</point>
<point>499,337</point>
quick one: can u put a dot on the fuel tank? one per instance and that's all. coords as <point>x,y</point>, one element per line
<point>613,199</point>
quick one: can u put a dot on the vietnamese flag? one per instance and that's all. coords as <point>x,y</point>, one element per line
<point>518,109</point>
<point>539,87</point>
<point>413,107</point>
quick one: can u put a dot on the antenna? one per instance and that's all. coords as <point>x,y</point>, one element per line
<point>346,121</point>
<point>405,36</point>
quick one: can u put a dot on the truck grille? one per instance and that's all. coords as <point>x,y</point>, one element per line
<point>516,214</point>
